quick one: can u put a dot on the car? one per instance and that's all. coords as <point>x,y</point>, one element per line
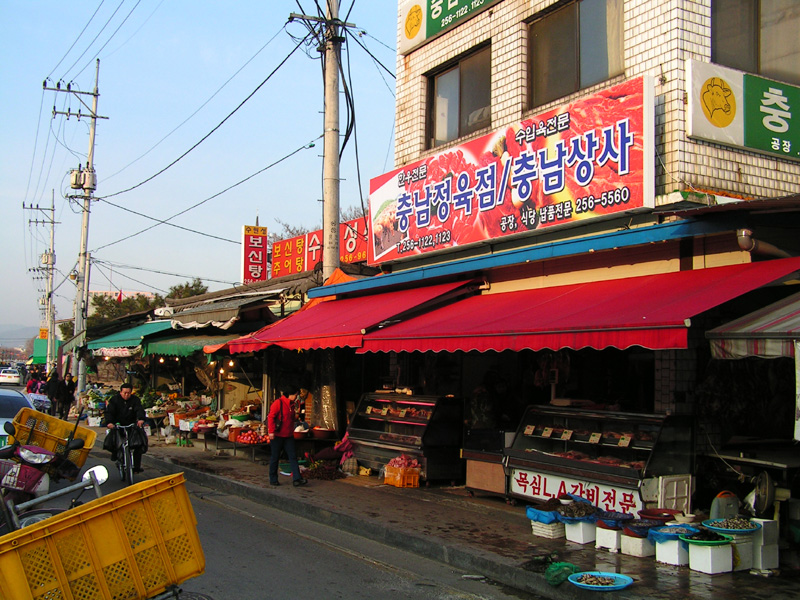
<point>11,402</point>
<point>10,376</point>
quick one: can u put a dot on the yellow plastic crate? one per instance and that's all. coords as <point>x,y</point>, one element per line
<point>51,433</point>
<point>402,478</point>
<point>132,544</point>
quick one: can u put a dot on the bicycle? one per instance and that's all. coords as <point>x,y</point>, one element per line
<point>124,453</point>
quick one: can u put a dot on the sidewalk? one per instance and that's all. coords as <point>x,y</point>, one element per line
<point>481,535</point>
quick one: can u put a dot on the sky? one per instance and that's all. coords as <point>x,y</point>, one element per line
<point>198,83</point>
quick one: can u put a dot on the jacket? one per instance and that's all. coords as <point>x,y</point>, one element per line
<point>284,406</point>
<point>122,412</point>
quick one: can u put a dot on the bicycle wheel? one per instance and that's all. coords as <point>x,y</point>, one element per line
<point>128,465</point>
<point>121,465</point>
<point>32,517</point>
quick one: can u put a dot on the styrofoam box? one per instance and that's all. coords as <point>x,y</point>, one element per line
<point>767,535</point>
<point>608,539</point>
<point>765,557</point>
<point>580,532</point>
<point>742,555</point>
<point>550,531</point>
<point>711,559</point>
<point>672,552</point>
<point>636,546</point>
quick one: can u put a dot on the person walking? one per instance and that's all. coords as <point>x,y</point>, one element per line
<point>125,408</point>
<point>51,389</point>
<point>280,425</point>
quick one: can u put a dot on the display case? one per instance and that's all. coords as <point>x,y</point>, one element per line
<point>483,453</point>
<point>624,458</point>
<point>428,428</point>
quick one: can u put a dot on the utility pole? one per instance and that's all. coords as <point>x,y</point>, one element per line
<point>85,180</point>
<point>48,261</point>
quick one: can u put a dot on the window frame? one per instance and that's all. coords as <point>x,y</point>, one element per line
<point>432,79</point>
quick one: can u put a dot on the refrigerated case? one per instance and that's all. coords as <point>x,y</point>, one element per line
<point>623,461</point>
<point>428,428</point>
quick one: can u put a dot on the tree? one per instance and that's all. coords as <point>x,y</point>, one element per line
<point>188,289</point>
<point>106,308</point>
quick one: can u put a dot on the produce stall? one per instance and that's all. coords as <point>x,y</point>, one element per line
<point>427,428</point>
<point>622,462</point>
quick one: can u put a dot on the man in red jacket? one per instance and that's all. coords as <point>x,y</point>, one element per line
<point>280,424</point>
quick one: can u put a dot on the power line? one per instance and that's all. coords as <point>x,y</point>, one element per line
<point>158,272</point>
<point>96,54</point>
<point>205,137</point>
<point>93,41</point>
<point>77,38</point>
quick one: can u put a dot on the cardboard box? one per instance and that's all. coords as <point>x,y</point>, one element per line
<point>673,552</point>
<point>551,531</point>
<point>765,557</point>
<point>742,554</point>
<point>608,539</point>
<point>711,559</point>
<point>635,546</point>
<point>581,532</point>
<point>767,535</point>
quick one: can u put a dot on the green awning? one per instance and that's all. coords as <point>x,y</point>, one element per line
<point>39,356</point>
<point>183,345</point>
<point>129,338</point>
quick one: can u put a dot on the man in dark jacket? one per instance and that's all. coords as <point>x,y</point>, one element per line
<point>125,408</point>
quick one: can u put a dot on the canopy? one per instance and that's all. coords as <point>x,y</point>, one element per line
<point>770,332</point>
<point>340,323</point>
<point>129,338</point>
<point>185,345</point>
<point>651,311</point>
<point>39,356</point>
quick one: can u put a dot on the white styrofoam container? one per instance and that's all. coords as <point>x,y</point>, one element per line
<point>765,557</point>
<point>672,552</point>
<point>711,559</point>
<point>768,534</point>
<point>636,546</point>
<point>581,532</point>
<point>742,555</point>
<point>608,539</point>
<point>550,531</point>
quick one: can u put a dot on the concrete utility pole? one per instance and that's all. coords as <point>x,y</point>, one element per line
<point>49,266</point>
<point>85,180</point>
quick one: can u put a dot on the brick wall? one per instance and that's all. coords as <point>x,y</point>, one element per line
<point>659,35</point>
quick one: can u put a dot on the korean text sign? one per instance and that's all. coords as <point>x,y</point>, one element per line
<point>589,159</point>
<point>302,253</point>
<point>423,20</point>
<point>254,254</point>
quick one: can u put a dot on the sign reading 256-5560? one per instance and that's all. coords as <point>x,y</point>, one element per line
<point>423,20</point>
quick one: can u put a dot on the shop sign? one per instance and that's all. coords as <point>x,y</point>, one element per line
<point>423,20</point>
<point>254,254</point>
<point>591,158</point>
<point>742,110</point>
<point>542,486</point>
<point>42,333</point>
<point>300,254</point>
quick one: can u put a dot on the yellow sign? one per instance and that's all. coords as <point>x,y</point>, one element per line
<point>718,102</point>
<point>42,333</point>
<point>414,19</point>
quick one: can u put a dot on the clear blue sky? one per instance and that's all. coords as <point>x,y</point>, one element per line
<point>174,68</point>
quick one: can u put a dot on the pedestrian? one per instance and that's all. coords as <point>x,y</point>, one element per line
<point>72,385</point>
<point>125,408</point>
<point>51,389</point>
<point>280,425</point>
<point>33,385</point>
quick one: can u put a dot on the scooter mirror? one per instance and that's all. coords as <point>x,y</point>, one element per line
<point>75,444</point>
<point>100,473</point>
<point>9,428</point>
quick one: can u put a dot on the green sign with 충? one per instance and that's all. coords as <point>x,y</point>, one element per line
<point>423,20</point>
<point>769,110</point>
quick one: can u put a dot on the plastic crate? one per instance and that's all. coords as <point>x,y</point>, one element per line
<point>132,544</point>
<point>402,478</point>
<point>51,433</point>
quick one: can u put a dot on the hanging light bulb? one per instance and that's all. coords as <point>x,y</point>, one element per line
<point>161,360</point>
<point>230,363</point>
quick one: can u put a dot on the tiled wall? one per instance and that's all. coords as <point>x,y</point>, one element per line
<point>659,36</point>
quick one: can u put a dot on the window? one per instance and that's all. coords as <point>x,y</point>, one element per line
<point>757,36</point>
<point>575,47</point>
<point>460,99</point>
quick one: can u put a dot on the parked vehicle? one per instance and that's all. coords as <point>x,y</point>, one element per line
<point>10,377</point>
<point>11,401</point>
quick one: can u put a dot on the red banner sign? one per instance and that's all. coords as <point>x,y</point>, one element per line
<point>592,158</point>
<point>254,254</point>
<point>302,253</point>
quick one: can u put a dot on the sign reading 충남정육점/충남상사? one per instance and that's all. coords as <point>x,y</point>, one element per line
<point>423,20</point>
<point>589,159</point>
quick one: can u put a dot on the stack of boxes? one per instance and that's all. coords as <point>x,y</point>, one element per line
<point>764,551</point>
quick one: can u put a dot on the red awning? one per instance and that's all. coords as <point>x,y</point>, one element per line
<point>651,311</point>
<point>339,323</point>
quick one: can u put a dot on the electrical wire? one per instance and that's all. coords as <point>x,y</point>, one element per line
<point>135,268</point>
<point>77,38</point>
<point>205,137</point>
<point>166,221</point>
<point>147,285</point>
<point>64,77</point>
<point>355,38</point>
<point>96,54</point>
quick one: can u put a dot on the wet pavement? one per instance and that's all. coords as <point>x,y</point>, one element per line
<point>480,534</point>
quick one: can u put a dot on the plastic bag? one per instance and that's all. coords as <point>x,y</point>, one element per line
<point>541,516</point>
<point>663,534</point>
<point>557,573</point>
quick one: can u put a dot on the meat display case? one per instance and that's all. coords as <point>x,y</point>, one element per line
<point>621,461</point>
<point>428,428</point>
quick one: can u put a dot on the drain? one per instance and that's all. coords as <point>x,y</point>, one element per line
<point>194,596</point>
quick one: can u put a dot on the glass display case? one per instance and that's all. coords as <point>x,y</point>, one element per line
<point>579,450</point>
<point>427,428</point>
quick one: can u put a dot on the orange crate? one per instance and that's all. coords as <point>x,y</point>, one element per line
<point>402,478</point>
